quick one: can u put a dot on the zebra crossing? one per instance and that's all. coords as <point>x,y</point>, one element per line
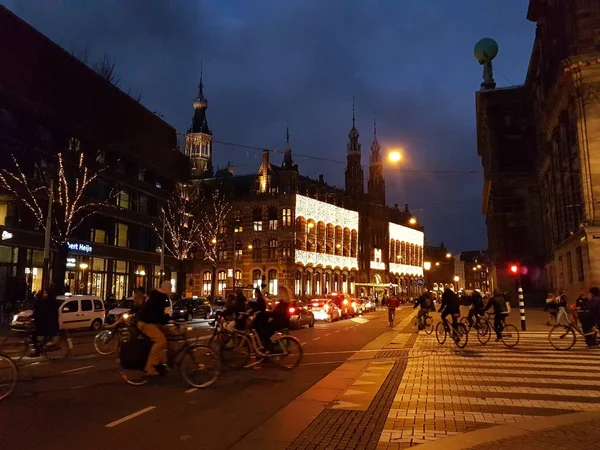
<point>445,391</point>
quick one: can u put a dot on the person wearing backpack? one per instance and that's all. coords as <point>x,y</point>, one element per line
<point>425,301</point>
<point>476,306</point>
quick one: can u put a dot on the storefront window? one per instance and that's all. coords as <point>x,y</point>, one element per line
<point>120,279</point>
<point>34,278</point>
<point>97,283</point>
<point>221,282</point>
<point>140,276</point>
<point>273,282</point>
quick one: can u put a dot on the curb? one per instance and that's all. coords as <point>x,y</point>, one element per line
<point>500,432</point>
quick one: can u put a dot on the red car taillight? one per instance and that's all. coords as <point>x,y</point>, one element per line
<point>292,310</point>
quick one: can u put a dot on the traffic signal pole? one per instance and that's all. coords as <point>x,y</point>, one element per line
<point>522,308</point>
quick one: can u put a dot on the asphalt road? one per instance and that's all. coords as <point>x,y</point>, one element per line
<point>83,402</point>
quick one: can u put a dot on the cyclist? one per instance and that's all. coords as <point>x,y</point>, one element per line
<point>392,303</point>
<point>590,316</point>
<point>139,298</point>
<point>449,306</point>
<point>45,318</point>
<point>150,320</point>
<point>425,301</point>
<point>272,321</point>
<point>498,302</point>
<point>477,307</point>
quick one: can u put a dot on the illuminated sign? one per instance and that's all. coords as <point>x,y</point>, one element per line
<point>79,247</point>
<point>6,235</point>
<point>377,264</point>
<point>71,262</point>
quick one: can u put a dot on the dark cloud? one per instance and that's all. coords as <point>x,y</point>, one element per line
<point>269,61</point>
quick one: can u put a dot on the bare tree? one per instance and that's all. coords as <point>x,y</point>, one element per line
<point>70,179</point>
<point>183,230</point>
<point>215,230</point>
<point>106,68</point>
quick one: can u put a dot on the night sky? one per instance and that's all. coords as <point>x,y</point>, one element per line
<point>265,62</point>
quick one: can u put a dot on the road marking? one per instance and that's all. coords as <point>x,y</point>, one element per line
<point>327,334</point>
<point>316,338</point>
<point>303,344</point>
<point>129,417</point>
<point>189,391</point>
<point>342,351</point>
<point>77,370</point>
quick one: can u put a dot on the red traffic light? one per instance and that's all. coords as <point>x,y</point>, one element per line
<point>514,269</point>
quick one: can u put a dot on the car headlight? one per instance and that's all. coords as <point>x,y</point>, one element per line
<point>16,316</point>
<point>125,316</point>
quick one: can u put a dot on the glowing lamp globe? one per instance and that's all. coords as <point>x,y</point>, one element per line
<point>486,50</point>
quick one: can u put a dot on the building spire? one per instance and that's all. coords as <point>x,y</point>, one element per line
<point>287,134</point>
<point>353,145</point>
<point>288,162</point>
<point>375,126</point>
<point>353,118</point>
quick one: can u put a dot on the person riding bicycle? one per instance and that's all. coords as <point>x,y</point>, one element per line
<point>477,306</point>
<point>498,302</point>
<point>139,298</point>
<point>151,318</point>
<point>45,318</point>
<point>392,303</point>
<point>590,316</point>
<point>271,321</point>
<point>425,301</point>
<point>449,305</point>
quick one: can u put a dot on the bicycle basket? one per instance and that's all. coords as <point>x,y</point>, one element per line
<point>134,354</point>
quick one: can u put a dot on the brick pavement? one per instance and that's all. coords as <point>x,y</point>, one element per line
<point>355,429</point>
<point>446,392</point>
<point>580,436</point>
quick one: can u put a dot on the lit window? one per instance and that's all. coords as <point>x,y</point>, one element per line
<point>258,225</point>
<point>273,282</point>
<point>286,217</point>
<point>257,278</point>
<point>121,235</point>
<point>123,200</point>
<point>273,248</point>
<point>238,249</point>
<point>221,282</point>
<point>286,250</point>
<point>222,256</point>
<point>272,224</point>
<point>98,236</point>
<point>74,144</point>
<point>3,212</point>
<point>206,283</point>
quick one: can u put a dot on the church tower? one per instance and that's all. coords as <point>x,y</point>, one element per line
<point>355,184</point>
<point>198,140</point>
<point>376,184</point>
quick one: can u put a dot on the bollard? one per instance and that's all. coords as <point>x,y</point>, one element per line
<point>522,310</point>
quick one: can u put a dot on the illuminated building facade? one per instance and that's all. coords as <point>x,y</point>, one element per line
<point>288,229</point>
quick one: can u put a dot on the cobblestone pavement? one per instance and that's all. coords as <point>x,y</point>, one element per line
<point>355,429</point>
<point>580,436</point>
<point>445,391</point>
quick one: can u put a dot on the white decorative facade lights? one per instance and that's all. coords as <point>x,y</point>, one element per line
<point>377,263</point>
<point>407,235</point>
<point>317,211</point>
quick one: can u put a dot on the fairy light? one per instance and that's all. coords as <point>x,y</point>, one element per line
<point>309,208</point>
<point>407,235</point>
<point>326,260</point>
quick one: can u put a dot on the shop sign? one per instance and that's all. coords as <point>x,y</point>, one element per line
<point>71,262</point>
<point>79,247</point>
<point>6,235</point>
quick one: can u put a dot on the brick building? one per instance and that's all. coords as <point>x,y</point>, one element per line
<point>288,229</point>
<point>558,114</point>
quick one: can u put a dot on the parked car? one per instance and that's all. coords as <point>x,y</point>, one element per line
<point>344,304</point>
<point>300,315</point>
<point>126,305</point>
<point>324,309</point>
<point>365,305</point>
<point>190,308</point>
<point>217,306</point>
<point>74,311</point>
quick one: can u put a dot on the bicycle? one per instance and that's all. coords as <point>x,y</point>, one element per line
<point>563,337</point>
<point>391,317</point>
<point>482,325</point>
<point>9,374</point>
<point>510,336</point>
<point>53,348</point>
<point>459,334</point>
<point>107,341</point>
<point>428,328</point>
<point>199,365</point>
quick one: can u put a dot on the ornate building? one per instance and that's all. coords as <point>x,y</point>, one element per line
<point>316,239</point>
<point>555,122</point>
<point>198,140</point>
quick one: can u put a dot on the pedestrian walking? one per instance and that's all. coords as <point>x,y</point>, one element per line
<point>562,308</point>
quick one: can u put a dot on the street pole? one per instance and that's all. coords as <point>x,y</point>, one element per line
<point>162,250</point>
<point>46,272</point>
<point>234,261</point>
<point>522,308</point>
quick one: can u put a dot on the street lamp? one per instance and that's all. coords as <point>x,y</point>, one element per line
<point>427,265</point>
<point>456,279</point>
<point>213,241</point>
<point>394,156</point>
<point>448,255</point>
<point>412,221</point>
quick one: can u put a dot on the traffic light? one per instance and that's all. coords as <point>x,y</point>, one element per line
<point>514,269</point>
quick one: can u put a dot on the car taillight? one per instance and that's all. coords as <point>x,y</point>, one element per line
<point>315,304</point>
<point>292,310</point>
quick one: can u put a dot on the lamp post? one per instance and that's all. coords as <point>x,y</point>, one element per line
<point>456,280</point>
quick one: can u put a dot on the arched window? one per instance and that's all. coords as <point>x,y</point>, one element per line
<point>298,283</point>
<point>318,283</point>
<point>327,287</point>
<point>344,283</point>
<point>238,277</point>
<point>272,275</point>
<point>257,278</point>
<point>221,282</point>
<point>206,283</point>
<point>336,282</point>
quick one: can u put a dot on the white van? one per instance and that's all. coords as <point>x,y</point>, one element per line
<point>74,311</point>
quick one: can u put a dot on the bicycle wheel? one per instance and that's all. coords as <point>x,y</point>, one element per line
<point>200,366</point>
<point>8,376</point>
<point>461,335</point>
<point>415,324</point>
<point>428,325</point>
<point>135,377</point>
<point>14,347</point>
<point>466,323</point>
<point>107,342</point>
<point>288,352</point>
<point>484,332</point>
<point>56,348</point>
<point>236,352</point>
<point>440,333</point>
<point>562,337</point>
<point>510,336</point>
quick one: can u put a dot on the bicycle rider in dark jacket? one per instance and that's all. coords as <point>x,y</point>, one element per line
<point>477,307</point>
<point>590,316</point>
<point>498,302</point>
<point>425,301</point>
<point>450,305</point>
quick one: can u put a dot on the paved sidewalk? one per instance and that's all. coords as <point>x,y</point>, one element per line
<point>446,392</point>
